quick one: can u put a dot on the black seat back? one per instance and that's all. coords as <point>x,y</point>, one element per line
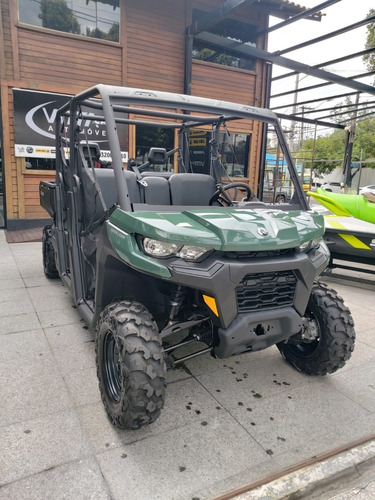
<point>191,189</point>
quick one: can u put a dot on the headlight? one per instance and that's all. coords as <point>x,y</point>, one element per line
<point>309,245</point>
<point>157,248</point>
<point>189,252</point>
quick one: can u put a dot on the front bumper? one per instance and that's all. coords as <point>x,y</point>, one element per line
<point>256,331</point>
<point>222,278</point>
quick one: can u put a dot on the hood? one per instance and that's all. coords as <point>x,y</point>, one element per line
<point>226,229</point>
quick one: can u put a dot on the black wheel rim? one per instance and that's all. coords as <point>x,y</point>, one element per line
<point>111,367</point>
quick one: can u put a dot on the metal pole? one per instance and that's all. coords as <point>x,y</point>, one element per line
<point>349,147</point>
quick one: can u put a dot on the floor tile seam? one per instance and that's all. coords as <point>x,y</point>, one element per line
<point>57,326</point>
<point>349,367</point>
<point>70,408</point>
<point>61,373</point>
<point>143,438</point>
<point>53,467</point>
<point>369,412</point>
<point>235,420</point>
<point>371,346</point>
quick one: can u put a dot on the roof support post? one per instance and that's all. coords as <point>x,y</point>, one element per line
<point>347,178</point>
<point>263,150</point>
<point>188,62</point>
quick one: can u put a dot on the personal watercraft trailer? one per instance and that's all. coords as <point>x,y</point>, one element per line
<point>167,265</point>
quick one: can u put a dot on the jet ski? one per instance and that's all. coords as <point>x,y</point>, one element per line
<point>361,206</point>
<point>350,226</point>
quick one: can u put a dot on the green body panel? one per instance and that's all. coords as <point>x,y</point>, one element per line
<point>225,229</point>
<point>356,205</point>
<point>127,248</point>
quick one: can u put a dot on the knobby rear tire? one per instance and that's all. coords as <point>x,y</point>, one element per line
<point>49,258</point>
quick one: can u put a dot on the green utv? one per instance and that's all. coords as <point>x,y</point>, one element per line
<point>170,258</point>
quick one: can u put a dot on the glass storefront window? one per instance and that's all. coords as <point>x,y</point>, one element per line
<point>154,137</point>
<point>230,29</point>
<point>92,18</point>
<point>234,151</point>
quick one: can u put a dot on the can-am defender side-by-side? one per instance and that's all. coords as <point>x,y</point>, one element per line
<point>166,262</point>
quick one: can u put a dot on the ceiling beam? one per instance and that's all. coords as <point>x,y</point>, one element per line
<point>326,63</point>
<point>340,31</point>
<point>297,17</point>
<point>319,85</point>
<point>356,109</point>
<point>240,49</point>
<point>311,101</point>
<point>332,108</point>
<point>309,120</point>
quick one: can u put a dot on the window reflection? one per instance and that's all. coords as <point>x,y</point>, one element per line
<point>93,18</point>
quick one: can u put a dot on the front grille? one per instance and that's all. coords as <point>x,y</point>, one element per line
<point>260,254</point>
<point>265,291</point>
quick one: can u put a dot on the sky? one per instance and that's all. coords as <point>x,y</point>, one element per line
<point>336,16</point>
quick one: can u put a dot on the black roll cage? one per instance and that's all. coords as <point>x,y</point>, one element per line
<point>114,100</point>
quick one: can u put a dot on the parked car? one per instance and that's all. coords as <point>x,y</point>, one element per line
<point>333,187</point>
<point>275,194</point>
<point>315,186</point>
<point>367,189</point>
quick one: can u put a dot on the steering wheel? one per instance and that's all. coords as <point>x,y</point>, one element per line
<point>221,197</point>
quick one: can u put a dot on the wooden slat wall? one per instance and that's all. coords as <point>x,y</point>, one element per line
<point>67,61</point>
<point>155,44</point>
<point>12,181</point>
<point>31,190</point>
<point>7,46</point>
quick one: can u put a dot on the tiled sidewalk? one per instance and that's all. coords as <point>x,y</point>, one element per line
<point>226,423</point>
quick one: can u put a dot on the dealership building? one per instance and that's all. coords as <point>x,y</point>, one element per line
<point>53,49</point>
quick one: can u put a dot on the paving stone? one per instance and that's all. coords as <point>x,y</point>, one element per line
<point>36,445</point>
<point>31,387</point>
<point>186,402</point>
<point>80,479</point>
<point>188,459</point>
<point>19,323</point>
<point>73,346</point>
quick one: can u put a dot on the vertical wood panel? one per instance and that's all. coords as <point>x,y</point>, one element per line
<point>155,44</point>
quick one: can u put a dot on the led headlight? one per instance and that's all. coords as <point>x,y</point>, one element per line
<point>309,245</point>
<point>157,248</point>
<point>189,252</point>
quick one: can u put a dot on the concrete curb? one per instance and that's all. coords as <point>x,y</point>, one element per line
<point>318,479</point>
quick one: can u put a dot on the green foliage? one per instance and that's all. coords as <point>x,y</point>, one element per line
<point>56,15</point>
<point>112,35</point>
<point>327,150</point>
<point>332,147</point>
<point>364,141</point>
<point>369,59</point>
<point>216,57</point>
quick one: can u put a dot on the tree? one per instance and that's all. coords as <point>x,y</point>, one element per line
<point>113,33</point>
<point>56,15</point>
<point>369,59</point>
<point>330,149</point>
